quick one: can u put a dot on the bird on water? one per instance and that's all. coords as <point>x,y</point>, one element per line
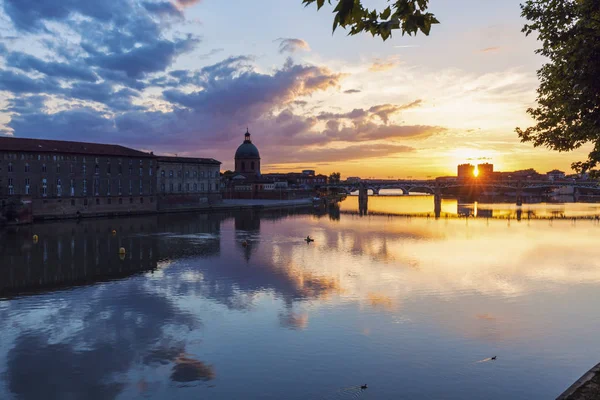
<point>493,358</point>
<point>363,386</point>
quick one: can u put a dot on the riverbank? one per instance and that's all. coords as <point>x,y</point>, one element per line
<point>586,388</point>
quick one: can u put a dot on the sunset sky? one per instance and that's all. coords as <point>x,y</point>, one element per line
<point>186,77</point>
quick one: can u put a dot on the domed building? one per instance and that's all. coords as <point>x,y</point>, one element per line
<point>247,158</point>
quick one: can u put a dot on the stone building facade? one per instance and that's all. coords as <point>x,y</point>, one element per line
<point>58,179</point>
<point>185,182</point>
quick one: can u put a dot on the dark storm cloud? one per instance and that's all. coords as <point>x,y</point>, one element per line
<point>27,62</point>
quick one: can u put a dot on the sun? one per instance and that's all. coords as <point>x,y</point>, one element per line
<point>476,172</point>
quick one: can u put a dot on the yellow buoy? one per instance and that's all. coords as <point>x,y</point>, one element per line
<point>35,238</point>
<point>114,232</point>
<point>122,250</point>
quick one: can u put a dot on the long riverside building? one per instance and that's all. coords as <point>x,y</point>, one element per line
<point>42,179</point>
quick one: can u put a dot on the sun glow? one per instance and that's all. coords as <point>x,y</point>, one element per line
<point>476,172</point>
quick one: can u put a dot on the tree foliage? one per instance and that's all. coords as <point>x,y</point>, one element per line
<point>567,114</point>
<point>335,177</point>
<point>410,16</point>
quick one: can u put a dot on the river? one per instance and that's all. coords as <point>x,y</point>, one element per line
<point>239,306</point>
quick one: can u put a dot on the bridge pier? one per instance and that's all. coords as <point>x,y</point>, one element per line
<point>519,193</point>
<point>363,200</point>
<point>437,201</point>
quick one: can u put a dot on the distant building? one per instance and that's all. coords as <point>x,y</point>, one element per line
<point>353,179</point>
<point>555,175</point>
<point>310,172</point>
<point>466,171</point>
<point>485,171</point>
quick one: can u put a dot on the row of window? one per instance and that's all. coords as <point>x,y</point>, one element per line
<point>188,187</point>
<point>58,188</point>
<point>214,174</point>
<point>44,168</point>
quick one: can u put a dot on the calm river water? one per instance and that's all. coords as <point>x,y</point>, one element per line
<point>412,307</point>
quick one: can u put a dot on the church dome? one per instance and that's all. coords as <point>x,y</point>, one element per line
<point>247,149</point>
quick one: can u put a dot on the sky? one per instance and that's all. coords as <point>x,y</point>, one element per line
<point>187,77</point>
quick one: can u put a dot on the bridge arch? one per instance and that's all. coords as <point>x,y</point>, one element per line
<point>421,189</point>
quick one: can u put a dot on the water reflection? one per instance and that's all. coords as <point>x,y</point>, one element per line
<point>191,312</point>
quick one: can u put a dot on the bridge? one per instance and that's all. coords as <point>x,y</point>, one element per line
<point>438,187</point>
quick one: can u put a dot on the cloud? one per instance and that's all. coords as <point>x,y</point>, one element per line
<point>18,83</point>
<point>356,152</point>
<point>187,3</point>
<point>210,53</point>
<point>490,50</point>
<point>139,61</point>
<point>383,65</point>
<point>351,91</point>
<point>27,62</point>
<point>163,9</point>
<point>383,111</point>
<point>291,45</point>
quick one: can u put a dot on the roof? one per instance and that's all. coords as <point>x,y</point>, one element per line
<point>62,146</point>
<point>189,160</point>
<point>247,150</point>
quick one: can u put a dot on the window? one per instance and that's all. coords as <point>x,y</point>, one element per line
<point>108,187</point>
<point>179,173</point>
<point>141,171</point>
<point>202,187</point>
<point>252,166</point>
<point>85,188</point>
<point>162,187</point>
<point>120,169</point>
<point>58,169</point>
<point>108,169</point>
<point>170,173</point>
<point>72,187</point>
<point>179,187</point>
<point>195,174</point>
<point>162,173</point>
<point>141,199</point>
<point>141,187</point>
<point>130,168</point>
<point>85,202</point>
<point>171,187</point>
<point>187,174</point>
<point>187,187</point>
<point>97,169</point>
<point>97,201</point>
<point>71,168</point>
<point>96,186</point>
<point>202,174</point>
<point>44,168</point>
<point>26,167</point>
<point>58,187</point>
<point>27,185</point>
<point>216,186</point>
<point>130,187</point>
<point>243,166</point>
<point>44,187</point>
<point>119,187</point>
<point>11,189</point>
<point>83,170</point>
<point>195,187</point>
<point>150,171</point>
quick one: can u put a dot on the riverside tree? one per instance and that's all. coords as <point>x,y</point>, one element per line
<point>409,16</point>
<point>567,114</point>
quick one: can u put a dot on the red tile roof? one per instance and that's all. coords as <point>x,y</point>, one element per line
<point>61,146</point>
